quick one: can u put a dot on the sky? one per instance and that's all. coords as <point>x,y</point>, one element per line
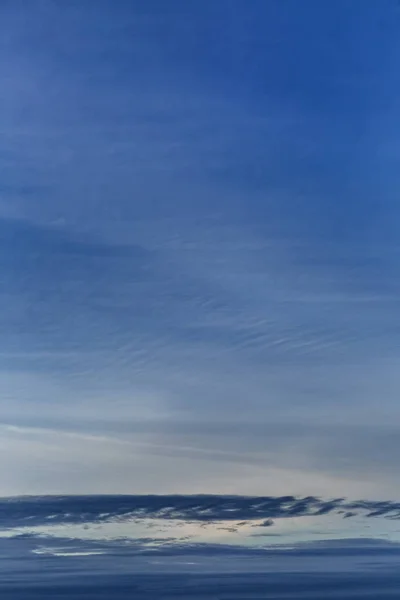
<point>199,252</point>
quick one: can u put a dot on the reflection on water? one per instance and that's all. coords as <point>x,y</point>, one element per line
<point>35,568</point>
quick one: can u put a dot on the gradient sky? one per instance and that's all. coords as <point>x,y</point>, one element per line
<point>200,257</point>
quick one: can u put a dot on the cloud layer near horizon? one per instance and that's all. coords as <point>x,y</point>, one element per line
<point>39,510</point>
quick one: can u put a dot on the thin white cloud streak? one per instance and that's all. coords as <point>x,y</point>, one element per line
<point>57,461</point>
<point>155,532</point>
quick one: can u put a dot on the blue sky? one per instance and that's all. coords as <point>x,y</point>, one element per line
<point>199,284</point>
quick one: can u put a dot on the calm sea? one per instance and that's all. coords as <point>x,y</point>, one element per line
<point>38,563</point>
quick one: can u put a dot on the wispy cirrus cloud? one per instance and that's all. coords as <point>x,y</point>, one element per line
<point>199,261</point>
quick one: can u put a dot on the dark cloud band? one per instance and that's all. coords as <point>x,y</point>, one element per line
<point>29,510</point>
